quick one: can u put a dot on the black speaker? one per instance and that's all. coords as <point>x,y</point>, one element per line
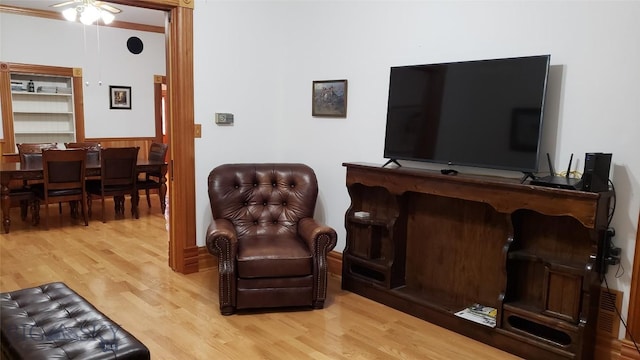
<point>135,46</point>
<point>595,177</point>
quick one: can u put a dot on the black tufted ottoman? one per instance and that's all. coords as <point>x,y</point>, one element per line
<point>53,322</point>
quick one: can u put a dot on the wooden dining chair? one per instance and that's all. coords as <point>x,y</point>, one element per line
<point>93,157</point>
<point>117,179</point>
<point>93,149</point>
<point>64,180</point>
<point>30,155</point>
<point>26,199</point>
<point>152,180</point>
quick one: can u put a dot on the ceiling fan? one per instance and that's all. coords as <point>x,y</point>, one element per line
<point>88,10</point>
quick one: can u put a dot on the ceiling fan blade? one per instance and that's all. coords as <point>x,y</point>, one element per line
<point>64,3</point>
<point>107,7</point>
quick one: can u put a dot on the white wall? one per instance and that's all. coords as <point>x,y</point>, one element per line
<point>258,59</point>
<point>102,54</point>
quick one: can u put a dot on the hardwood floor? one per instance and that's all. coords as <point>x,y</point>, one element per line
<point>121,268</point>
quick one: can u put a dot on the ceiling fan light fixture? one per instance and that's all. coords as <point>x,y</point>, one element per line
<point>89,11</point>
<point>89,15</point>
<point>107,17</point>
<point>70,14</point>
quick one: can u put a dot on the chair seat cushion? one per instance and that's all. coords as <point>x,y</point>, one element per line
<point>39,190</point>
<point>273,256</point>
<point>143,184</point>
<point>21,194</point>
<point>93,187</point>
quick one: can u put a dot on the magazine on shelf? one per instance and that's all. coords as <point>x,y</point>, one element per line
<point>481,314</point>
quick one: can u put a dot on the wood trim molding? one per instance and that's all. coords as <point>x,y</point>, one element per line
<point>206,260</point>
<point>78,104</point>
<point>7,108</point>
<point>55,15</point>
<point>187,3</point>
<point>334,262</point>
<point>180,114</point>
<point>190,261</point>
<point>158,81</point>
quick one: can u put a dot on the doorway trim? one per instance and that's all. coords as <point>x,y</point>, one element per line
<point>183,252</point>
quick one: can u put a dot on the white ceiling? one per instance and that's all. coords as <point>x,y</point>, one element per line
<point>128,14</point>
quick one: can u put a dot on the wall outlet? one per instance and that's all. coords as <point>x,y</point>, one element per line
<point>224,119</point>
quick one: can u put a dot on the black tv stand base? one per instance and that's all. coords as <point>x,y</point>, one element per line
<point>526,176</point>
<point>392,161</point>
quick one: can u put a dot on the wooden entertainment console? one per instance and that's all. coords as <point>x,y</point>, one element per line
<point>435,244</point>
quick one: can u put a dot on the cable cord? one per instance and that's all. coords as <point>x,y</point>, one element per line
<point>612,207</point>
<point>626,328</point>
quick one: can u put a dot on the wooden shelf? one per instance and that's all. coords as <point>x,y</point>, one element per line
<point>43,116</point>
<point>26,93</point>
<point>438,244</point>
<point>44,112</point>
<point>44,132</point>
<point>370,221</point>
<point>554,261</point>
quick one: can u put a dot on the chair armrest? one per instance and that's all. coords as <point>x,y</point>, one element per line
<point>221,239</point>
<point>319,237</point>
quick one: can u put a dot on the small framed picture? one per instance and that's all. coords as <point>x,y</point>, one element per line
<point>120,97</point>
<point>329,98</point>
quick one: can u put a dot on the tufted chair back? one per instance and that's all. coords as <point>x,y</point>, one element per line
<point>263,199</point>
<point>271,251</point>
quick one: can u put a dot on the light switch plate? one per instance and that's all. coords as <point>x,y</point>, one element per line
<point>197,131</point>
<point>224,119</point>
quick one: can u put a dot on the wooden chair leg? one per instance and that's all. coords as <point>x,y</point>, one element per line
<point>84,212</point>
<point>104,218</point>
<point>46,214</point>
<point>24,209</point>
<point>73,209</point>
<point>146,191</point>
<point>118,204</point>
<point>135,199</point>
<point>35,212</point>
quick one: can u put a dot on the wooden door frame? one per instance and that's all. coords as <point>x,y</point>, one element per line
<point>183,251</point>
<point>158,81</point>
<point>629,350</point>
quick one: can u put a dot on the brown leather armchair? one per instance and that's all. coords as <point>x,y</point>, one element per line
<point>271,252</point>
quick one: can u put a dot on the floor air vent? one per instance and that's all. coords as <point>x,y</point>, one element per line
<point>608,321</point>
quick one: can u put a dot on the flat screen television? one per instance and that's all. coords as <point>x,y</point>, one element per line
<point>484,113</point>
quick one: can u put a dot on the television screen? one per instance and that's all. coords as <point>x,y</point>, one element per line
<point>485,113</point>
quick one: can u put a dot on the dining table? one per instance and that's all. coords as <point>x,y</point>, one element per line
<point>10,171</point>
